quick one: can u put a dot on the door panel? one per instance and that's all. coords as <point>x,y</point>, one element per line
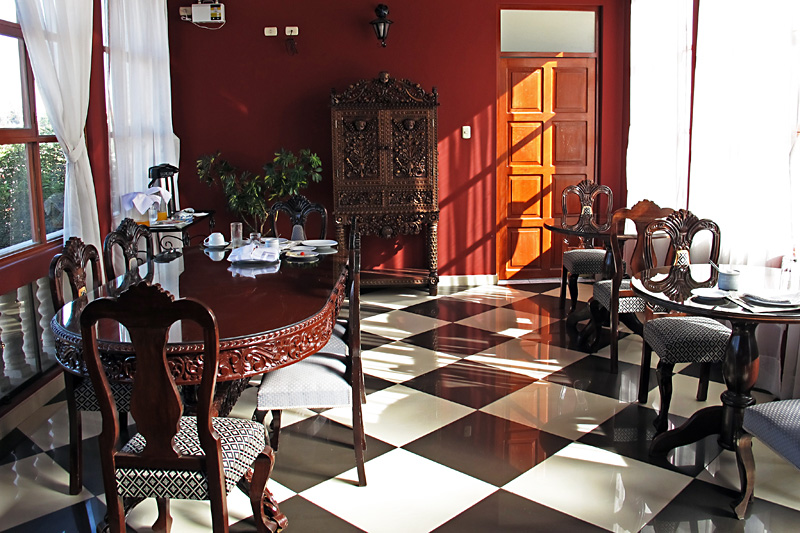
<point>546,135</point>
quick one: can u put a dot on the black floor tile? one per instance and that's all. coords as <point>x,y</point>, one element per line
<point>706,507</point>
<point>79,518</point>
<point>450,309</point>
<point>92,470</point>
<point>16,445</point>
<point>694,370</point>
<point>316,449</point>
<point>304,517</point>
<point>457,339</point>
<point>543,305</point>
<point>469,383</point>
<point>630,433</point>
<point>592,374</point>
<point>506,512</point>
<point>370,341</point>
<point>488,447</point>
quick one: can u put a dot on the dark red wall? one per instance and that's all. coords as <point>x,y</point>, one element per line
<point>240,92</point>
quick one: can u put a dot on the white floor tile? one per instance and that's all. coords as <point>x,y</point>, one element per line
<point>406,492</point>
<point>684,396</point>
<point>399,415</point>
<point>777,480</point>
<point>507,322</point>
<point>49,426</point>
<point>629,350</point>
<point>398,325</point>
<point>528,357</point>
<point>497,295</point>
<point>395,298</point>
<point>600,487</point>
<point>556,409</point>
<point>33,487</point>
<point>399,361</point>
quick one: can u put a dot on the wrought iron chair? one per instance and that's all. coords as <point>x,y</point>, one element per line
<point>679,339</point>
<point>127,237</point>
<point>298,208</point>
<point>776,424</point>
<point>198,457</point>
<point>332,377</point>
<point>72,262</point>
<point>588,260</point>
<point>614,297</point>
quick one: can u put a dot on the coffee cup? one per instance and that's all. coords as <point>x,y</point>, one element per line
<point>272,242</point>
<point>215,239</point>
<point>729,280</point>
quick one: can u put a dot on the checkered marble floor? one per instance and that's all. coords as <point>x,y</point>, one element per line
<point>483,414</point>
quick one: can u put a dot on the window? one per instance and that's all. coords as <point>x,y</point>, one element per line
<point>32,164</point>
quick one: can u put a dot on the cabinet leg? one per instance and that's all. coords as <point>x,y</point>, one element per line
<point>433,257</point>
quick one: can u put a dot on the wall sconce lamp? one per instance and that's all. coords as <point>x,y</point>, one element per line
<point>381,24</point>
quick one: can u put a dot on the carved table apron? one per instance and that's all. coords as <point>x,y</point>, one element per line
<point>265,322</point>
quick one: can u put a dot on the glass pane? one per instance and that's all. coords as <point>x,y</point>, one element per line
<point>8,11</point>
<point>546,31</point>
<point>15,200</point>
<point>54,167</point>
<point>11,115</point>
<point>43,119</point>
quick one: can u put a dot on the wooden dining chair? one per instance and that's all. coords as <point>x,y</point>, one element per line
<point>586,260</point>
<point>73,264</point>
<point>614,298</point>
<point>679,339</point>
<point>332,377</point>
<point>198,457</point>
<point>127,237</point>
<point>298,208</point>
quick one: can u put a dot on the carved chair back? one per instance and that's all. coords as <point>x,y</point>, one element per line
<point>298,207</point>
<point>681,227</point>
<point>588,193</point>
<point>72,262</point>
<point>148,312</point>
<point>127,237</point>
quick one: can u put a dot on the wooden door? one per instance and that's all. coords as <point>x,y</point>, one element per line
<point>546,141</point>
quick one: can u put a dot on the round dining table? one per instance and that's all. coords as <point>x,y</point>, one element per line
<point>269,315</point>
<point>692,289</point>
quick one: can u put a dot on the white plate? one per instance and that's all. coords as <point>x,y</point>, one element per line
<point>710,293</point>
<point>301,256</point>
<point>302,248</point>
<point>320,243</point>
<point>217,246</point>
<point>283,240</point>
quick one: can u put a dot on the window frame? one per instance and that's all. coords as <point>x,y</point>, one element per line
<point>29,135</point>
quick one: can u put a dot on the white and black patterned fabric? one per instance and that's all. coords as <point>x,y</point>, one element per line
<point>687,339</point>
<point>241,442</point>
<point>584,262</point>
<point>776,424</point>
<point>317,381</point>
<point>601,292</point>
<point>86,400</point>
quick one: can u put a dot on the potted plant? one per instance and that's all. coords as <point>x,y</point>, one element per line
<point>248,193</point>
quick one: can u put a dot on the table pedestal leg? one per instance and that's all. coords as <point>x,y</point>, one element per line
<point>740,370</point>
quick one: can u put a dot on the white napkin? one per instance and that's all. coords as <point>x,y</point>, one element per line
<point>254,252</point>
<point>252,272</point>
<point>143,200</point>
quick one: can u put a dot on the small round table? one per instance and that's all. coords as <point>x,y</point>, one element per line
<point>671,287</point>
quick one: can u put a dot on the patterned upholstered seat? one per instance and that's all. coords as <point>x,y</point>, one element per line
<point>601,292</point>
<point>241,441</point>
<point>776,424</point>
<point>584,261</point>
<point>330,378</point>
<point>687,339</point>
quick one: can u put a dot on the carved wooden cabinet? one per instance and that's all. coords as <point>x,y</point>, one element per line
<point>385,168</point>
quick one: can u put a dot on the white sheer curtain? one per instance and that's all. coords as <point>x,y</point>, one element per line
<point>140,98</point>
<point>660,97</point>
<point>58,36</point>
<point>745,128</point>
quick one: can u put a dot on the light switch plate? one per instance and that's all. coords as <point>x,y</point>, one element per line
<point>271,31</point>
<point>292,30</point>
<point>466,132</point>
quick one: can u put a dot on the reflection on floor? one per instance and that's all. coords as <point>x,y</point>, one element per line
<point>483,414</point>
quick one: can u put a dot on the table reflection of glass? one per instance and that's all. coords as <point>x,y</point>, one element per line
<point>265,322</point>
<point>674,288</point>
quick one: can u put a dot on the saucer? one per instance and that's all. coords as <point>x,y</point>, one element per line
<point>325,251</point>
<point>301,256</point>
<point>320,243</point>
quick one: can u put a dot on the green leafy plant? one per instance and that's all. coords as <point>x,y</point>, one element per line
<point>288,173</point>
<point>248,193</point>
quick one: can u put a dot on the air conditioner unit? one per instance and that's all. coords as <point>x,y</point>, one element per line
<point>208,13</point>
